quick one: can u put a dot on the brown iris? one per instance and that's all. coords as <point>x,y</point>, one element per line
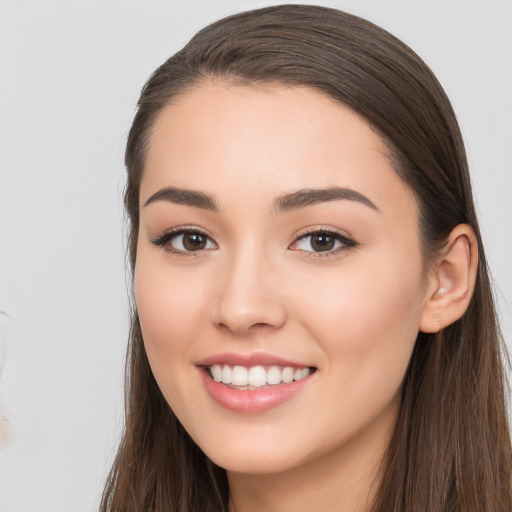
<point>194,241</point>
<point>322,242</point>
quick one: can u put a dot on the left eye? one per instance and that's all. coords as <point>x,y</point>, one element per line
<point>321,241</point>
<point>185,241</point>
<point>191,241</point>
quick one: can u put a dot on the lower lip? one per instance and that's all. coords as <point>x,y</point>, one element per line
<point>252,401</point>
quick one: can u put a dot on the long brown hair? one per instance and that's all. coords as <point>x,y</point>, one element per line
<point>451,448</point>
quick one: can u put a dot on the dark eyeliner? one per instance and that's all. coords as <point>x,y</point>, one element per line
<point>164,239</point>
<point>348,243</point>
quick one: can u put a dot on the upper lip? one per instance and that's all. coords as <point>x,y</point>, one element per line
<point>254,359</point>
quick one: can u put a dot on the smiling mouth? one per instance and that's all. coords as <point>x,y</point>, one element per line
<point>256,377</point>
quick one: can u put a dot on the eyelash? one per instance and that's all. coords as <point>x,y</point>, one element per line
<point>346,242</point>
<point>164,240</point>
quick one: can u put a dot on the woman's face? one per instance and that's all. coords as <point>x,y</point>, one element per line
<point>279,254</point>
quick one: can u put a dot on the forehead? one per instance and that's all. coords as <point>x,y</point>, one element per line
<point>264,141</point>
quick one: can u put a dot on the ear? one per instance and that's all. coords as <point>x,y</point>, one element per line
<point>451,281</point>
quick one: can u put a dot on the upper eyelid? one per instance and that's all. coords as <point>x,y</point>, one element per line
<point>337,233</point>
<point>184,229</point>
<point>173,232</point>
<point>329,231</point>
<point>347,240</point>
<point>320,230</point>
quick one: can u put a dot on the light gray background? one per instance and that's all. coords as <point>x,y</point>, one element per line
<point>70,74</point>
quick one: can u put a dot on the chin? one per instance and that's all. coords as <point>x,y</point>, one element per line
<point>256,464</point>
<point>256,456</point>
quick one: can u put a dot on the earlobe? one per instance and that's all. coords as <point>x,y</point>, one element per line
<point>452,280</point>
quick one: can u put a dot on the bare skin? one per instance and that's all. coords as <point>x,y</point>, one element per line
<point>246,267</point>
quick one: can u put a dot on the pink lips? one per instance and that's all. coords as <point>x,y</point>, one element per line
<point>248,360</point>
<point>250,401</point>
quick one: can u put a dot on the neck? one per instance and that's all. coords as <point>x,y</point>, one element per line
<point>343,480</point>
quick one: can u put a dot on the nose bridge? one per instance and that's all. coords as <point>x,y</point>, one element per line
<point>249,294</point>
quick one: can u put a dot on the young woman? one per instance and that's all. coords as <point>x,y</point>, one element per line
<point>313,325</point>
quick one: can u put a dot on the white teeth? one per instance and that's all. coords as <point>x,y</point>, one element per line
<point>227,374</point>
<point>256,376</point>
<point>287,375</point>
<point>274,375</point>
<point>240,376</point>
<point>216,370</point>
<point>301,373</point>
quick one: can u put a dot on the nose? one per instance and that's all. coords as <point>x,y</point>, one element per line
<point>250,296</point>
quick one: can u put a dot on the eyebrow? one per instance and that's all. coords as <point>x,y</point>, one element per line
<point>185,197</point>
<point>292,201</point>
<point>308,197</point>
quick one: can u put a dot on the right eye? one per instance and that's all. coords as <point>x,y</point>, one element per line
<point>185,241</point>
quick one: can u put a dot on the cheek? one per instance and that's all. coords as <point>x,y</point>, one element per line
<point>366,317</point>
<point>169,305</point>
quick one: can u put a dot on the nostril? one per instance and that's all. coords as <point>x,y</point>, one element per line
<point>259,327</point>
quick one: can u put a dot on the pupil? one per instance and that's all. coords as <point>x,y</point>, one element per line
<point>194,241</point>
<point>322,242</point>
